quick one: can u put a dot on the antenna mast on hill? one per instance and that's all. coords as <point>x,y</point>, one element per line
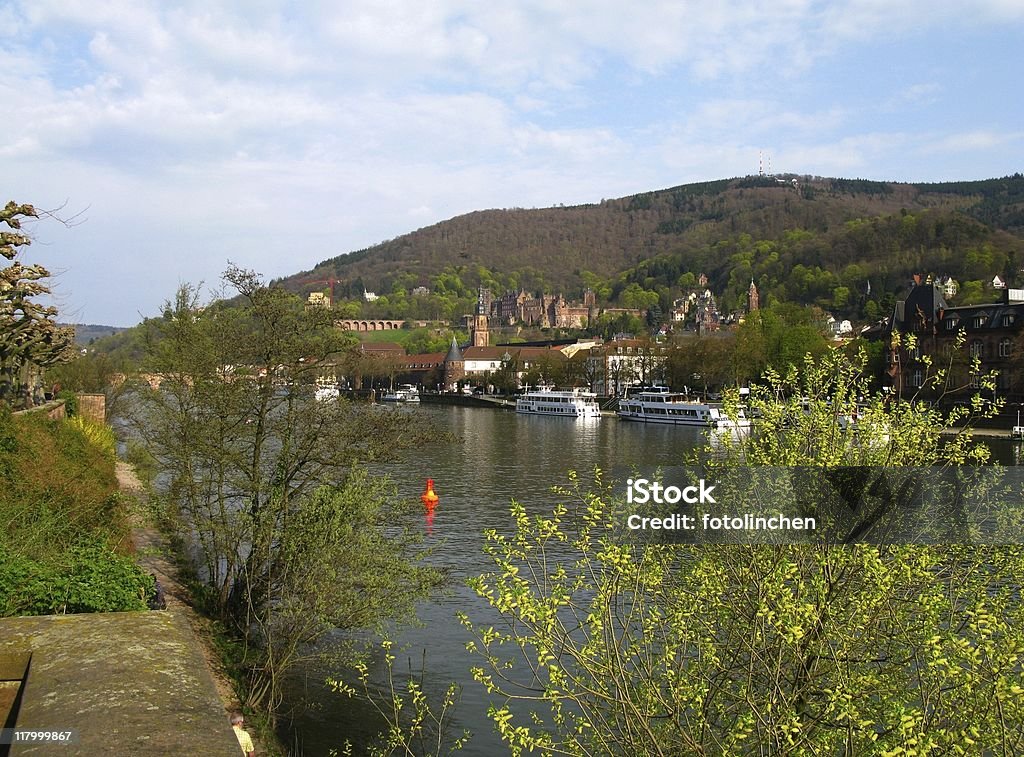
<point>760,162</point>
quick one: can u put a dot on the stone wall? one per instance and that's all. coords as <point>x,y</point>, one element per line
<point>53,409</point>
<point>93,407</point>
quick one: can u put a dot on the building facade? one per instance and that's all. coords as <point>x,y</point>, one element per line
<point>925,334</point>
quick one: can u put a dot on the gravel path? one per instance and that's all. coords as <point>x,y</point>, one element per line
<point>153,554</point>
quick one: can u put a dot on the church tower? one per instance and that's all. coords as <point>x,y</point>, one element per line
<point>753,299</point>
<point>481,335</point>
<point>454,366</point>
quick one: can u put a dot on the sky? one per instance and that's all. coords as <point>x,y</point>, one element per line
<point>174,137</point>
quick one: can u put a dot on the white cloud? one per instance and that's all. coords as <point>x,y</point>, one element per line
<point>857,156</point>
<point>277,134</point>
<point>970,141</point>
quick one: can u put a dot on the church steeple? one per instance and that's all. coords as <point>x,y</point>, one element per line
<point>753,299</point>
<point>480,336</point>
<point>454,366</point>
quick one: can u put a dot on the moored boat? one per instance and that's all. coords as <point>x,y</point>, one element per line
<point>675,409</point>
<point>404,393</point>
<point>568,403</point>
<point>326,391</point>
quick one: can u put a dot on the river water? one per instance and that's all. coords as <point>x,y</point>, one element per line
<point>498,456</point>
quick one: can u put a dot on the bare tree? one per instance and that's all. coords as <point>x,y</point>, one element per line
<point>30,338</point>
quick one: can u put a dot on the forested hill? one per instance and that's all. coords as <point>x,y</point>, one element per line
<point>809,239</point>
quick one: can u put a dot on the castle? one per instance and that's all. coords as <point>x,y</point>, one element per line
<point>546,311</point>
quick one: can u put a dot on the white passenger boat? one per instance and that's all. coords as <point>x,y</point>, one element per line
<point>659,405</point>
<point>569,403</point>
<point>326,393</point>
<point>404,393</point>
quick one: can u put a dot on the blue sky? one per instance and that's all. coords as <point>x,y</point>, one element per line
<point>184,135</point>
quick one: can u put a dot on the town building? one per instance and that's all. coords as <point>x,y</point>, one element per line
<point>838,329</point>
<point>915,321</point>
<point>318,300</point>
<point>969,341</point>
<point>949,286</point>
<point>621,363</point>
<point>454,366</point>
<point>990,334</point>
<point>478,330</point>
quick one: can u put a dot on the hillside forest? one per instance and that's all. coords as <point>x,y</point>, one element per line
<point>850,247</point>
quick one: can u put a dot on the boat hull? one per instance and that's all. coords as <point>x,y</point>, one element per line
<point>557,412</point>
<point>559,404</point>
<point>691,423</point>
<point>407,393</point>
<point>671,409</point>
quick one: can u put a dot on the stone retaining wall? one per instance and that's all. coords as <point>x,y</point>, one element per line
<point>53,409</point>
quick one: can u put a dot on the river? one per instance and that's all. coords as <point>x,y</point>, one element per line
<point>498,456</point>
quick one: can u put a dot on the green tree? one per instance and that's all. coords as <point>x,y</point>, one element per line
<point>972,293</point>
<point>701,362</point>
<point>779,337</point>
<point>293,537</point>
<point>424,341</point>
<point>546,370</point>
<point>618,648</point>
<point>506,378</point>
<point>635,296</point>
<point>90,372</point>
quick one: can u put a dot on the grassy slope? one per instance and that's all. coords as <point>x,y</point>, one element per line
<point>66,529</point>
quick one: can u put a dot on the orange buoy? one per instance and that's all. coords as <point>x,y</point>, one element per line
<point>429,498</point>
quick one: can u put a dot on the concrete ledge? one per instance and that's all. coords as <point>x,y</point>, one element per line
<point>128,683</point>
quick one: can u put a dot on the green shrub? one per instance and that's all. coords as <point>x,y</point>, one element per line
<point>100,435</point>
<point>89,577</point>
<point>70,402</point>
<point>62,517</point>
<point>56,484</point>
<point>8,443</point>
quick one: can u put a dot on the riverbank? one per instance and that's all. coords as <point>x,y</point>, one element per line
<point>155,555</point>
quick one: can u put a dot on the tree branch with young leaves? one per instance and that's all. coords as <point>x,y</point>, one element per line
<point>294,537</point>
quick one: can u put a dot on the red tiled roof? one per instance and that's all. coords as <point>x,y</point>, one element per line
<point>497,352</point>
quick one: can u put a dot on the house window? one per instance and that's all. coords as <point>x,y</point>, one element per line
<point>979,321</point>
<point>1004,348</point>
<point>917,377</point>
<point>951,324</point>
<point>1008,320</point>
<point>977,349</point>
